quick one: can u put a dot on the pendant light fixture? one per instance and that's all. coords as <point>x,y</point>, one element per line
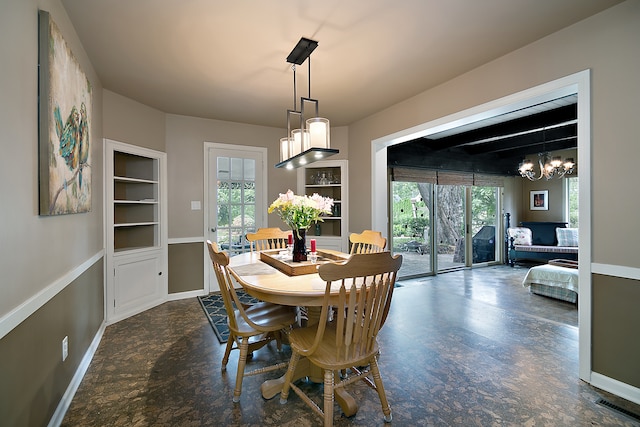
<point>550,167</point>
<point>311,140</point>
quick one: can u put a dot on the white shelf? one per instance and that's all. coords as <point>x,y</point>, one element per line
<point>137,202</point>
<point>134,180</point>
<point>134,224</point>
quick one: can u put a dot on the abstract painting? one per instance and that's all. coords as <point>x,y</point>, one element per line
<point>65,115</point>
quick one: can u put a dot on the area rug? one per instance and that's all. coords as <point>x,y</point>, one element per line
<point>213,307</point>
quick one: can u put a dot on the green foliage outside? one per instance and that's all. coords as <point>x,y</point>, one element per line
<point>573,202</point>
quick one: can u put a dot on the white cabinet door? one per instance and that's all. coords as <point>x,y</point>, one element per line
<point>137,284</point>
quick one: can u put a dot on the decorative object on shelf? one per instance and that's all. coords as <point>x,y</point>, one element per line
<point>550,167</point>
<point>539,200</point>
<point>299,213</point>
<point>311,141</point>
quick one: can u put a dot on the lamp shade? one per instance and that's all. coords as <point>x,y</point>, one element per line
<point>285,145</point>
<point>319,132</point>
<point>300,141</point>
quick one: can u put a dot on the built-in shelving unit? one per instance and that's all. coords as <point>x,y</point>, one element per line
<point>328,178</point>
<point>135,212</point>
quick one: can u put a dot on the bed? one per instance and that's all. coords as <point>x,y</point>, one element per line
<point>557,280</point>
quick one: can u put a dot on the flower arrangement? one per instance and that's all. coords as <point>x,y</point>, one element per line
<point>299,212</point>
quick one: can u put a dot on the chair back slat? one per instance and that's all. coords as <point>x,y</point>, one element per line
<point>267,239</point>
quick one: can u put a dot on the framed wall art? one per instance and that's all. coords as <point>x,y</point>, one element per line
<point>64,131</point>
<point>539,200</point>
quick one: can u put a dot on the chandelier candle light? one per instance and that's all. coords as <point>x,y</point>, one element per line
<point>311,141</point>
<point>299,213</point>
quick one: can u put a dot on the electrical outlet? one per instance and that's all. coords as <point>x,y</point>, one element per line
<point>65,348</point>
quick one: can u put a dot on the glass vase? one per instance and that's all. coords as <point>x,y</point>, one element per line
<point>299,245</point>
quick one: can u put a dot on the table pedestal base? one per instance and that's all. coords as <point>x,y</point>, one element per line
<point>305,368</point>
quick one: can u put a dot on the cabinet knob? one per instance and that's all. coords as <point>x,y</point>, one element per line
<point>160,274</point>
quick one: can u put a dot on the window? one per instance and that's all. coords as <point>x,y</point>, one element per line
<point>572,201</point>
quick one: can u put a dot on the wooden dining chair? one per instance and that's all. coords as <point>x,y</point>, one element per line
<point>350,339</point>
<point>268,238</point>
<point>250,326</point>
<point>367,242</point>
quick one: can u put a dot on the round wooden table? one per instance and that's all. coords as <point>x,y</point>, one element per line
<point>267,283</point>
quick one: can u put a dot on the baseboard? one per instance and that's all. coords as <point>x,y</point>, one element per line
<point>616,387</point>
<point>67,397</point>
<point>188,294</point>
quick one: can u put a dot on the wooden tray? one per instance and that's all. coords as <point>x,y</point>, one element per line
<point>287,266</point>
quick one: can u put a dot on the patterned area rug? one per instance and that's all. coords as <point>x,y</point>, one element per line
<point>213,307</point>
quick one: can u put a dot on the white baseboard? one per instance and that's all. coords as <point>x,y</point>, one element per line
<point>616,387</point>
<point>184,295</point>
<point>65,402</point>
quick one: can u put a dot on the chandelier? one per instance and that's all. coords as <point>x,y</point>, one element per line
<point>549,167</point>
<point>311,140</point>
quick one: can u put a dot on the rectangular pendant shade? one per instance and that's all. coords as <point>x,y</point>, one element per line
<point>318,132</point>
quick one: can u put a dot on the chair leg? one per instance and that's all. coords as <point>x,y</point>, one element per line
<point>328,397</point>
<point>227,351</point>
<point>386,409</point>
<point>242,361</point>
<point>295,357</point>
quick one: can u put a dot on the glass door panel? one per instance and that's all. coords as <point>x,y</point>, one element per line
<point>450,226</point>
<point>411,221</point>
<point>484,225</point>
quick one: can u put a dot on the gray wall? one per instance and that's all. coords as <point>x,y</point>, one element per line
<point>51,274</point>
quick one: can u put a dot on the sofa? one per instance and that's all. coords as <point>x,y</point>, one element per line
<point>541,241</point>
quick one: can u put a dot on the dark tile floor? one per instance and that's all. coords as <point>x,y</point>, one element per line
<point>468,348</point>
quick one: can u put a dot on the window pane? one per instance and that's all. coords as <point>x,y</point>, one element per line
<point>483,223</point>
<point>236,192</point>
<point>410,226</point>
<point>236,168</point>
<point>450,222</point>
<point>249,169</point>
<point>250,192</point>
<point>573,202</point>
<point>223,168</point>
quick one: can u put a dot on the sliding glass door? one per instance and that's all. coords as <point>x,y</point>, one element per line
<point>444,221</point>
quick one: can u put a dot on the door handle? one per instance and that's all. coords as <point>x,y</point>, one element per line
<point>214,229</point>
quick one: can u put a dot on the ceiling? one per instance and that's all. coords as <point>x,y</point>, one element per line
<point>225,60</point>
<point>496,145</point>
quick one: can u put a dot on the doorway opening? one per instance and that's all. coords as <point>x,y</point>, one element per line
<point>578,83</point>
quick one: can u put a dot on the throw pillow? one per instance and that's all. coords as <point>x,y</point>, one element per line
<point>521,235</point>
<point>567,236</point>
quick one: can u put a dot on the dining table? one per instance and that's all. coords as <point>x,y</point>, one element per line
<point>266,282</point>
